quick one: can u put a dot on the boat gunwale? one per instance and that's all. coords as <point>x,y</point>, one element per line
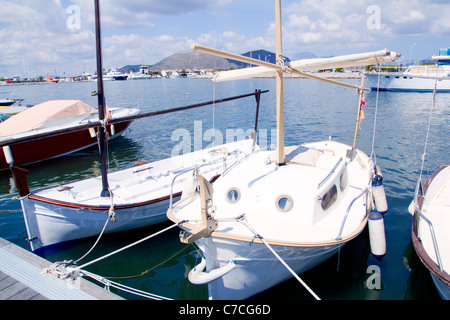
<point>418,246</point>
<point>35,197</point>
<point>255,239</point>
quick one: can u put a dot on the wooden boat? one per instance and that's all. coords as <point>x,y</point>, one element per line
<point>430,229</point>
<point>53,128</point>
<point>139,197</point>
<point>275,215</point>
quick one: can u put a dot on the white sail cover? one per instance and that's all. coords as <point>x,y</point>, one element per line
<point>43,114</point>
<point>352,60</point>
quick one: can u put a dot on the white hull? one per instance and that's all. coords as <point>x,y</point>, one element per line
<point>430,232</point>
<point>257,269</point>
<point>49,224</point>
<point>141,196</point>
<point>399,82</point>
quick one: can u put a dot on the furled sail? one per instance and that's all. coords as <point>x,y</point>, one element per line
<point>378,57</point>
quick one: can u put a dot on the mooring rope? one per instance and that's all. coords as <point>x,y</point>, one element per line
<point>243,220</point>
<point>111,215</point>
<point>126,247</point>
<point>109,283</point>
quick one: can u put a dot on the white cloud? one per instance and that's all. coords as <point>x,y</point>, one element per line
<point>147,31</point>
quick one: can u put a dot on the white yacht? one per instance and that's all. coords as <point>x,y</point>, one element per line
<point>415,77</point>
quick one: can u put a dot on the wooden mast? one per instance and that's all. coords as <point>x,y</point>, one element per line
<point>101,104</point>
<point>279,85</point>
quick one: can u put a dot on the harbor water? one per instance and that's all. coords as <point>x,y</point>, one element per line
<point>313,111</point>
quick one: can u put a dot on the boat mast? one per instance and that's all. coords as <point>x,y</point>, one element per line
<point>101,104</point>
<point>279,85</point>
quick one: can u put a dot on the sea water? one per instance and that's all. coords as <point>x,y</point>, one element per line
<point>313,111</point>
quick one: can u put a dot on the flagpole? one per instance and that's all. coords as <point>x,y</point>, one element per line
<point>358,115</point>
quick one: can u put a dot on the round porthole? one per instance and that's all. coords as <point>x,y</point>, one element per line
<point>233,195</point>
<point>284,203</point>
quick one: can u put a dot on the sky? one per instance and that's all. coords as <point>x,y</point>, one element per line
<point>57,37</point>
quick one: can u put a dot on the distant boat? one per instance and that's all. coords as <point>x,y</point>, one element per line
<point>430,231</point>
<point>415,77</point>
<point>174,75</point>
<point>115,74</point>
<point>33,134</point>
<point>51,80</point>
<point>7,101</point>
<point>142,74</point>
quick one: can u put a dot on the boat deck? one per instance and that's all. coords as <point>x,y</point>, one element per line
<point>21,278</point>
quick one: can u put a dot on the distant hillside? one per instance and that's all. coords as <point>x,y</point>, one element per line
<point>262,55</point>
<point>197,60</point>
<point>304,55</point>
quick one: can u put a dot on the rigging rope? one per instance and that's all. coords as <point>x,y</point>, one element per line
<point>376,113</point>
<point>429,122</point>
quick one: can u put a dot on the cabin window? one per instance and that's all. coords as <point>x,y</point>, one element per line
<point>233,195</point>
<point>285,203</point>
<point>343,180</point>
<point>329,198</point>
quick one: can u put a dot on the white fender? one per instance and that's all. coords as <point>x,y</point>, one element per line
<point>197,276</point>
<point>379,195</point>
<point>377,235</point>
<point>8,155</point>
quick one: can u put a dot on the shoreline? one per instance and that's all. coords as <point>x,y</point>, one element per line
<point>326,75</point>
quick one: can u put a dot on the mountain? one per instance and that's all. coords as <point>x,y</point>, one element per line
<point>192,60</point>
<point>304,55</point>
<point>197,60</point>
<point>262,55</point>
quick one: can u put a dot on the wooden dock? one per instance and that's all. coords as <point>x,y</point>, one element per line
<point>21,278</point>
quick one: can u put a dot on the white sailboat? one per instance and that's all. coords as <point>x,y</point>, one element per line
<point>430,209</point>
<point>430,231</point>
<point>275,215</point>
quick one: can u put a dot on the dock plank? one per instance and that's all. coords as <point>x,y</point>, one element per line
<point>21,278</point>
